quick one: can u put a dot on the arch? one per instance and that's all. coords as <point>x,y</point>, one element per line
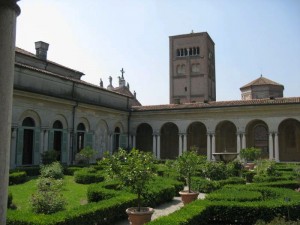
<point>33,115</point>
<point>257,135</point>
<point>85,122</point>
<point>226,137</point>
<point>57,125</point>
<point>144,139</point>
<point>196,136</point>
<point>289,140</point>
<point>61,119</point>
<point>169,144</point>
<point>28,122</point>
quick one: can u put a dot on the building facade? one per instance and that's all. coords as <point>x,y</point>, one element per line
<point>53,109</point>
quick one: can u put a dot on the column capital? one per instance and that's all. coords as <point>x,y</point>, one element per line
<point>11,4</point>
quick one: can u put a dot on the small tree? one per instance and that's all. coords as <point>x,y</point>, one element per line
<point>250,154</point>
<point>85,155</point>
<point>187,165</point>
<point>134,169</point>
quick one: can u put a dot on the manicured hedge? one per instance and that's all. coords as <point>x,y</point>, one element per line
<point>107,205</point>
<point>17,177</point>
<point>88,176</point>
<point>276,201</point>
<point>30,170</point>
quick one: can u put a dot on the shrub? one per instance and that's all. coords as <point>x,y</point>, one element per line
<point>250,154</point>
<point>204,185</point>
<point>88,176</point>
<point>215,170</point>
<point>85,155</point>
<point>278,221</point>
<point>249,176</point>
<point>232,180</point>
<point>30,170</point>
<point>49,157</point>
<point>17,177</point>
<point>48,199</point>
<point>53,170</point>
<point>234,168</point>
<point>96,193</point>
<point>71,170</point>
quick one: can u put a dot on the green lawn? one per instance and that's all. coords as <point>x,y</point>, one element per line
<point>74,193</point>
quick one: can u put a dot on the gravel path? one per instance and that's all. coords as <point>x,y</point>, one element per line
<point>164,209</point>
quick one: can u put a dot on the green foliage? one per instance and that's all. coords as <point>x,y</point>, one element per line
<point>234,168</point>
<point>17,177</point>
<point>134,169</point>
<point>249,176</point>
<point>30,170</point>
<point>53,170</point>
<point>204,185</point>
<point>48,199</point>
<point>10,204</point>
<point>187,165</point>
<point>278,221</point>
<point>215,170</point>
<point>250,154</point>
<point>96,193</point>
<point>85,155</point>
<point>88,176</point>
<point>49,157</point>
<point>70,170</point>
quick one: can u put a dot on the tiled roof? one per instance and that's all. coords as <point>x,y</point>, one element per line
<point>220,104</point>
<point>24,52</point>
<point>125,91</point>
<point>65,77</point>
<point>261,81</point>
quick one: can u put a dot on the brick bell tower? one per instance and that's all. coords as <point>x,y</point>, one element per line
<point>192,68</point>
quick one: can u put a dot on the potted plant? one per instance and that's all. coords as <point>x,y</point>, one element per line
<point>187,165</point>
<point>134,169</point>
<point>249,155</point>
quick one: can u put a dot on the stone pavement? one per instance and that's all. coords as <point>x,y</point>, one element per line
<point>164,209</point>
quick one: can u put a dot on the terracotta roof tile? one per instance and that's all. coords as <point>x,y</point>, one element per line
<point>220,104</point>
<point>261,81</point>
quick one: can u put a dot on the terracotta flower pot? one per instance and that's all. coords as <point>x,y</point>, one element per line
<point>187,197</point>
<point>136,217</point>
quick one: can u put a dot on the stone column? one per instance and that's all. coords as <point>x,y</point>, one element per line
<point>158,146</point>
<point>271,156</point>
<point>46,140</point>
<point>111,143</point>
<point>243,140</point>
<point>208,152</point>
<point>238,142</point>
<point>13,148</point>
<point>180,144</point>
<point>184,147</point>
<point>213,145</point>
<point>154,145</point>
<point>9,10</point>
<point>276,148</point>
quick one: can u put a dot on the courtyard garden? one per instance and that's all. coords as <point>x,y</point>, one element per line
<point>100,193</point>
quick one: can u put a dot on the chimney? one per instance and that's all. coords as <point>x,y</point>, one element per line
<point>41,49</point>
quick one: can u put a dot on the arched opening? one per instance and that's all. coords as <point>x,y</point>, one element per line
<point>80,136</point>
<point>117,132</point>
<point>28,140</point>
<point>196,136</point>
<point>169,145</point>
<point>57,138</point>
<point>257,136</point>
<point>144,139</point>
<point>226,137</point>
<point>289,140</point>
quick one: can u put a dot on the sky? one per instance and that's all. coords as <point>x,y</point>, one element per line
<point>100,37</point>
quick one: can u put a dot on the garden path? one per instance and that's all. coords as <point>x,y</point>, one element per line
<point>164,209</point>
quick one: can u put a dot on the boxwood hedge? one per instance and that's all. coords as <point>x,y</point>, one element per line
<point>224,209</point>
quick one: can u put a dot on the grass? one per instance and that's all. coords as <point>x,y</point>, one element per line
<point>74,193</point>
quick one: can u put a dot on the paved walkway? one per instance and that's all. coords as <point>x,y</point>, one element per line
<point>164,209</point>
